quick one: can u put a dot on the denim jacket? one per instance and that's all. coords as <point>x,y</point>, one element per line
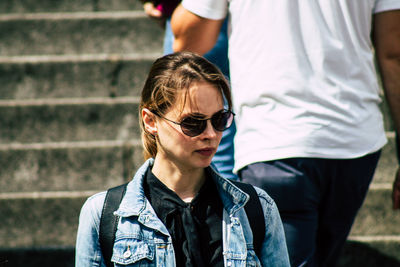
<point>143,240</point>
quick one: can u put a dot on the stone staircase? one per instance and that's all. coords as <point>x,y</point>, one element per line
<point>70,76</point>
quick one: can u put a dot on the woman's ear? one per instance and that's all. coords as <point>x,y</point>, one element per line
<point>149,121</point>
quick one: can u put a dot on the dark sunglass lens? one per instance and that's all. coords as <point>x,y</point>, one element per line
<point>193,127</point>
<point>222,120</point>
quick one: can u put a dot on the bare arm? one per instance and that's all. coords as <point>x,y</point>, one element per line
<point>387,46</point>
<point>194,33</point>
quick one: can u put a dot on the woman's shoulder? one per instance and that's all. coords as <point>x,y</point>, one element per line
<point>267,203</point>
<point>93,206</point>
<point>97,199</point>
<point>264,196</point>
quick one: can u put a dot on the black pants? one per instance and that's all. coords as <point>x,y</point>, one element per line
<point>318,200</point>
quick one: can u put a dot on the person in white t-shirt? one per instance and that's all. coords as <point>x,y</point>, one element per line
<point>306,95</point>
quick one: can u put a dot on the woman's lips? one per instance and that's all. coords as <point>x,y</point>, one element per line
<point>206,151</point>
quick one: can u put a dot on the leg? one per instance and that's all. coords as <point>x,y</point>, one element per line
<point>168,38</point>
<point>346,189</point>
<point>292,183</point>
<point>219,53</point>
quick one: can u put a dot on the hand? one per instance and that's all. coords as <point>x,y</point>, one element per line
<point>396,191</point>
<point>151,10</point>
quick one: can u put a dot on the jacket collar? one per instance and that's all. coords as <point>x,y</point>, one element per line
<point>232,197</point>
<point>134,203</point>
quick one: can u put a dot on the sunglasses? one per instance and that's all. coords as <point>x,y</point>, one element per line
<point>192,126</point>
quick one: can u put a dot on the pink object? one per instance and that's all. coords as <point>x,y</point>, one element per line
<point>167,7</point>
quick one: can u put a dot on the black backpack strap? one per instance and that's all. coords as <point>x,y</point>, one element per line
<point>255,215</point>
<point>109,222</point>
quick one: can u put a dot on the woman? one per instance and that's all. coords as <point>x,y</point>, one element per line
<point>177,211</point>
<point>161,10</point>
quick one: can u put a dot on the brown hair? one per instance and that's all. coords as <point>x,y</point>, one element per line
<point>169,74</point>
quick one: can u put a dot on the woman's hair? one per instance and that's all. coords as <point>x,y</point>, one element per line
<point>167,76</point>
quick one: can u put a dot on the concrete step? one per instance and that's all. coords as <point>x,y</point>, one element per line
<point>74,76</point>
<point>79,33</point>
<point>67,166</point>
<point>37,220</point>
<point>371,252</point>
<point>376,216</point>
<point>36,121</point>
<point>80,119</point>
<point>44,166</point>
<point>89,75</point>
<point>31,6</point>
<point>355,254</point>
<point>50,218</point>
<point>387,165</point>
<point>38,257</point>
<point>387,118</point>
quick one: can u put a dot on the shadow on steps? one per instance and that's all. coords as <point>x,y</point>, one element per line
<point>358,254</point>
<point>355,254</point>
<point>35,257</point>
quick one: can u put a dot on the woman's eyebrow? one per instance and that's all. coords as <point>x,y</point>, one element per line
<point>195,114</point>
<point>198,115</point>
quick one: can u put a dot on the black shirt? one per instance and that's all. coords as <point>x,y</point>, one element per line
<point>195,227</point>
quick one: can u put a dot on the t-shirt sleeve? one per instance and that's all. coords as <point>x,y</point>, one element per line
<point>386,5</point>
<point>210,9</point>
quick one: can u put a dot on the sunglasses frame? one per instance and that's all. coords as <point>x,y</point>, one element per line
<point>231,114</point>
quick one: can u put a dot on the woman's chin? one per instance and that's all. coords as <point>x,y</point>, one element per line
<point>205,163</point>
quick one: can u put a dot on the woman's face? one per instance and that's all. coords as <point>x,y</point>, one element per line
<point>202,101</point>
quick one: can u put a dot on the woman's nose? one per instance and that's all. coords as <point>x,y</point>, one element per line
<point>209,132</point>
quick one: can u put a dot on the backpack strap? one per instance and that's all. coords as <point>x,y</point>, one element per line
<point>109,222</point>
<point>255,215</point>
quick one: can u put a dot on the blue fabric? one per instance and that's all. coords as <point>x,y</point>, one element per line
<point>318,200</point>
<point>143,240</point>
<point>223,159</point>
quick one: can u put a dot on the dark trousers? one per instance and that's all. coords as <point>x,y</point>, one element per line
<point>318,200</point>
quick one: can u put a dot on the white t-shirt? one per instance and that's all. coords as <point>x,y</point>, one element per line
<point>302,75</point>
